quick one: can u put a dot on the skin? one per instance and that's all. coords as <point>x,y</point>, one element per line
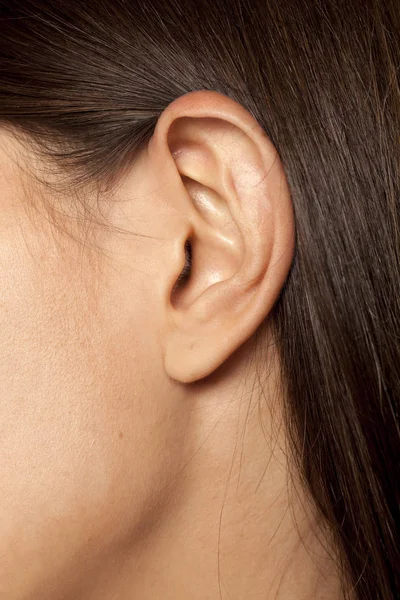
<point>143,453</point>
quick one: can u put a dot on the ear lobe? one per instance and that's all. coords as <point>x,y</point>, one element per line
<point>240,215</point>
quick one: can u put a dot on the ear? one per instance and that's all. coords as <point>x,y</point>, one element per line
<point>218,167</point>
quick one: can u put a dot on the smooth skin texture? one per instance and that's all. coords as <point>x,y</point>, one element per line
<point>142,448</point>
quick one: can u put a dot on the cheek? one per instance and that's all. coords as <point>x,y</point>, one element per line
<point>86,420</point>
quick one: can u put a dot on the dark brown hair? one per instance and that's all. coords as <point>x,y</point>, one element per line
<point>88,81</point>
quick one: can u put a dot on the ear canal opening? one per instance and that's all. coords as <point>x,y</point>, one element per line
<point>185,273</point>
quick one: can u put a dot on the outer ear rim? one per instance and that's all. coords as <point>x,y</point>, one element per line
<point>188,104</point>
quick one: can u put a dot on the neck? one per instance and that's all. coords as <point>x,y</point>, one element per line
<point>238,525</point>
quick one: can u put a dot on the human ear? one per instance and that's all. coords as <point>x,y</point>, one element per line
<point>219,169</point>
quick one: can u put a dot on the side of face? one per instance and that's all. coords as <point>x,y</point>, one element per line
<point>91,428</point>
